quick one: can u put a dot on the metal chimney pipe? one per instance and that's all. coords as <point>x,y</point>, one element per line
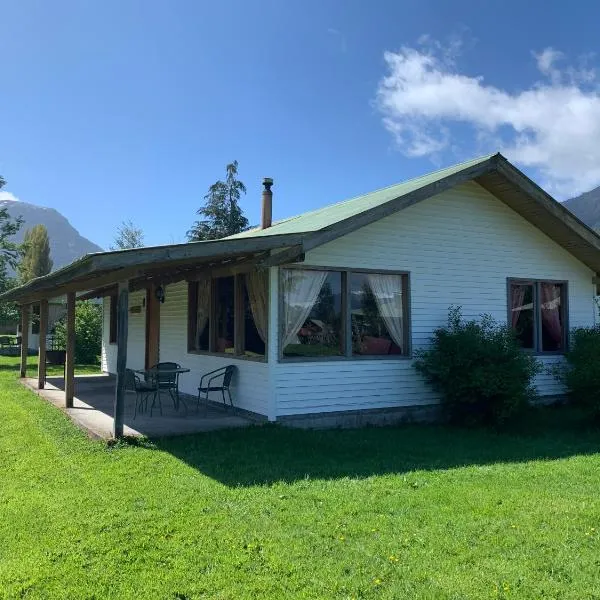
<point>267,204</point>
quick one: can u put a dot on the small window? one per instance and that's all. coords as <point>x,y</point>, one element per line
<point>377,314</point>
<point>312,313</point>
<point>112,336</point>
<point>537,313</point>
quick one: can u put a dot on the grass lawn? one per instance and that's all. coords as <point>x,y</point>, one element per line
<point>408,512</point>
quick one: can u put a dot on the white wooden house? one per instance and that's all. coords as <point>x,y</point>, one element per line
<point>321,313</point>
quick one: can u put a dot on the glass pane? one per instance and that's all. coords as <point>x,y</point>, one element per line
<point>551,317</point>
<point>202,315</point>
<point>312,313</point>
<point>224,314</point>
<point>255,313</point>
<point>376,314</point>
<point>522,314</point>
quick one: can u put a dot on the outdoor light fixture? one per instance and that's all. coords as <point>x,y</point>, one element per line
<point>160,294</point>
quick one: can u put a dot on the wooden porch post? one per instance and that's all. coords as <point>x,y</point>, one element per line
<point>122,326</point>
<point>24,338</point>
<point>70,354</point>
<point>42,346</point>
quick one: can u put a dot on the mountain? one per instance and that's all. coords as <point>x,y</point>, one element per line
<point>66,244</point>
<point>587,207</point>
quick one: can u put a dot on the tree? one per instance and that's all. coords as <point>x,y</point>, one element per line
<point>128,236</point>
<point>88,333</point>
<point>222,213</point>
<point>36,258</point>
<point>10,252</point>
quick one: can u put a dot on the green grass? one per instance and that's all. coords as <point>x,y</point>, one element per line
<point>408,512</point>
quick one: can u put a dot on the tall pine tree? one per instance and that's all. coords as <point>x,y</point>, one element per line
<point>222,215</point>
<point>36,258</point>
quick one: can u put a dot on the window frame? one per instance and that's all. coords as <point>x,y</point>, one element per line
<point>346,333</point>
<point>113,320</point>
<point>238,320</point>
<point>537,312</point>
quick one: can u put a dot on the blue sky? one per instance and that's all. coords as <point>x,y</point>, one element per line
<point>130,110</point>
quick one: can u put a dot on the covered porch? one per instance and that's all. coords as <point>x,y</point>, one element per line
<point>102,404</point>
<point>93,404</point>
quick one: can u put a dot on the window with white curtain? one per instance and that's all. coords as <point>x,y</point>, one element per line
<point>343,314</point>
<point>229,315</point>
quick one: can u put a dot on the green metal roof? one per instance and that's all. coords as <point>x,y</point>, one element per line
<point>334,213</point>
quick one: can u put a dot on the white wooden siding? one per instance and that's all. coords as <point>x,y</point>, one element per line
<point>136,335</point>
<point>136,332</point>
<point>459,247</point>
<point>250,387</point>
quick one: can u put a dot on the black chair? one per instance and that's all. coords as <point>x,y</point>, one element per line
<point>142,390</point>
<point>225,375</point>
<point>168,381</point>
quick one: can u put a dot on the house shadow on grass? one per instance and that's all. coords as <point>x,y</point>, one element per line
<point>269,454</point>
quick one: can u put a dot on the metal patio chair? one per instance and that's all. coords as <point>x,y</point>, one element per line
<point>225,375</point>
<point>168,381</point>
<point>142,390</point>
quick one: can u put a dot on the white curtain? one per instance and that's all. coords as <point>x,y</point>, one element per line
<point>516,303</point>
<point>202,308</point>
<point>387,290</point>
<point>257,285</point>
<point>300,292</point>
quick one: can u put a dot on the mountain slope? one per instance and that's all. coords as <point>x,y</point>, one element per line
<point>66,244</point>
<point>587,207</point>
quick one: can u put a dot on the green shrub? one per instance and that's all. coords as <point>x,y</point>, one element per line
<point>581,371</point>
<point>480,370</point>
<point>88,333</point>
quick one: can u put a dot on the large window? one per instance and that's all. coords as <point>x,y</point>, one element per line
<point>228,315</point>
<point>332,313</point>
<point>537,313</point>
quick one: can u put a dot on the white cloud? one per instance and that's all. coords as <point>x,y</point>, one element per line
<point>553,126</point>
<point>8,196</point>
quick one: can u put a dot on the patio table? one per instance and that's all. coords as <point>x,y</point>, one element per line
<point>152,374</point>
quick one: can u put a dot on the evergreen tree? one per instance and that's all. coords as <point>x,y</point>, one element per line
<point>9,255</point>
<point>36,258</point>
<point>128,236</point>
<point>222,215</point>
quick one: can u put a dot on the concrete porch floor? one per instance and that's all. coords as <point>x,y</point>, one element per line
<point>93,408</point>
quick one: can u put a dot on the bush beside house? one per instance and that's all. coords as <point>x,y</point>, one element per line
<point>581,371</point>
<point>479,369</point>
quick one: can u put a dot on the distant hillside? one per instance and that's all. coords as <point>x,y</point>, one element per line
<point>587,207</point>
<point>66,245</point>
